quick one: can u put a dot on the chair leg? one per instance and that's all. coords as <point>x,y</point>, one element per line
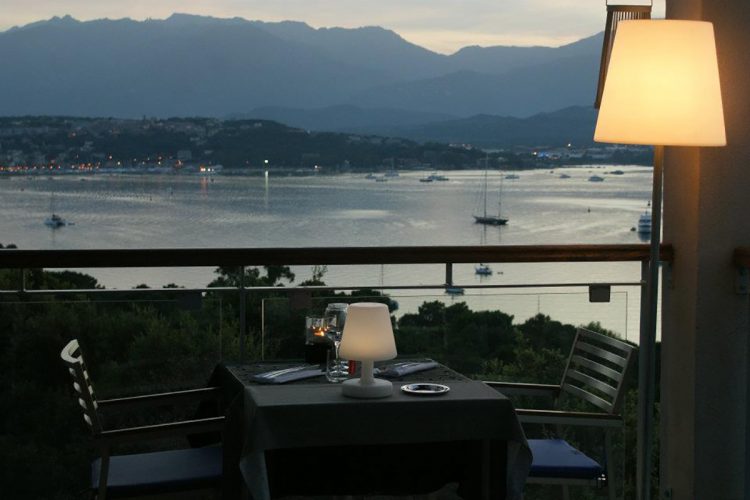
<point>103,475</point>
<point>611,467</point>
<point>565,489</point>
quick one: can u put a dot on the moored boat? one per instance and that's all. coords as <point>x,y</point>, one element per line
<point>488,218</point>
<point>434,177</point>
<point>483,270</point>
<point>644,223</point>
<point>54,221</point>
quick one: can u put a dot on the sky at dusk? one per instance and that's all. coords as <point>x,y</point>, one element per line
<point>441,25</point>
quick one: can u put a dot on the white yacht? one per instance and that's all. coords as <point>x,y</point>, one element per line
<point>644,223</point>
<point>434,177</point>
<point>483,270</point>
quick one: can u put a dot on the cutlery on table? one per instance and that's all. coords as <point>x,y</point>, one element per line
<point>276,373</point>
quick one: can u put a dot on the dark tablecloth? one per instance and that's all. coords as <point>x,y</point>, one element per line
<point>305,437</point>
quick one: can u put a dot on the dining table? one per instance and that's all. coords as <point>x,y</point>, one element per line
<point>305,438</point>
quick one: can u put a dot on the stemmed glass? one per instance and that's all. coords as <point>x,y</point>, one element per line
<point>337,370</point>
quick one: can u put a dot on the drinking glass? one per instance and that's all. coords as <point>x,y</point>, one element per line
<point>315,330</point>
<point>317,341</point>
<point>337,370</point>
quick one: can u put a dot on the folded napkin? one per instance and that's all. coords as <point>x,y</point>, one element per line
<point>405,368</point>
<point>287,375</point>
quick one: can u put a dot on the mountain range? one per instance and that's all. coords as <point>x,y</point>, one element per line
<point>574,124</point>
<point>366,78</point>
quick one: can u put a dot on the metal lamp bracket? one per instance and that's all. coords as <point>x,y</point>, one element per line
<point>615,14</point>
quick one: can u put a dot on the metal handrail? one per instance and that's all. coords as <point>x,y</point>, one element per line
<point>206,257</point>
<point>291,288</point>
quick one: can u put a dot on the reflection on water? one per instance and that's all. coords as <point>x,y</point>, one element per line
<point>344,210</point>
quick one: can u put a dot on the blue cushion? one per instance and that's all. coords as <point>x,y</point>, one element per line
<point>174,470</point>
<point>556,458</point>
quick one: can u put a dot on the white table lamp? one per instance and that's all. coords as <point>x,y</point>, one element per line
<point>662,89</point>
<point>367,337</point>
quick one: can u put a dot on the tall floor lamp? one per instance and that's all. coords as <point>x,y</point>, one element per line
<point>662,89</point>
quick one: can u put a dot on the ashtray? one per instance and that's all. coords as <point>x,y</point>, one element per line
<point>425,389</point>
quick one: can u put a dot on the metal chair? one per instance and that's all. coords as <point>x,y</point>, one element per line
<point>154,473</point>
<point>595,373</point>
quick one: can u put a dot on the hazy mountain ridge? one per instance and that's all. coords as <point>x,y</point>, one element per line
<point>574,124</point>
<point>343,118</point>
<point>523,92</point>
<point>373,47</point>
<point>190,65</point>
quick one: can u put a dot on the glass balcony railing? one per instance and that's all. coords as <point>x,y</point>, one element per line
<point>460,326</point>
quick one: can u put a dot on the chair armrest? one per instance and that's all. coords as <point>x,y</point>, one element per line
<point>161,399</point>
<point>159,431</point>
<point>516,389</point>
<point>556,417</point>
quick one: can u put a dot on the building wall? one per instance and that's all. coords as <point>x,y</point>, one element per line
<point>706,324</point>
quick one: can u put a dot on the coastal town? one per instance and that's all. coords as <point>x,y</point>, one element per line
<point>204,146</point>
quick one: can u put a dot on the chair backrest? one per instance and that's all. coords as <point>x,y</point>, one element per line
<point>71,355</point>
<point>596,369</point>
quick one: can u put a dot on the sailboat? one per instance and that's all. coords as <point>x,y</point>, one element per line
<point>485,218</point>
<point>54,221</point>
<point>483,270</point>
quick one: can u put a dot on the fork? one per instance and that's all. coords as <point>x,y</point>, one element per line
<point>283,371</point>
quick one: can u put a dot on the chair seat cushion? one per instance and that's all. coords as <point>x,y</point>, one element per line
<point>556,458</point>
<point>162,471</point>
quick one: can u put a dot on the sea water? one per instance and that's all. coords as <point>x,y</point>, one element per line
<point>180,211</point>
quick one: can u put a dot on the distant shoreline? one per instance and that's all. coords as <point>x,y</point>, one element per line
<point>288,171</point>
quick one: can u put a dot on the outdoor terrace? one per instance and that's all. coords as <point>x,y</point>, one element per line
<point>243,320</point>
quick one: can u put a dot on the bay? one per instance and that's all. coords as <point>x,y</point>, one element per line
<point>178,211</point>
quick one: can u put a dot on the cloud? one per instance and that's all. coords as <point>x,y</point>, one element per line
<point>443,25</point>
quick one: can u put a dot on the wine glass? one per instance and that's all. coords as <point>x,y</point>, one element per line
<point>337,370</point>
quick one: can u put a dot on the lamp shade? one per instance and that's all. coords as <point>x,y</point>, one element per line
<point>662,86</point>
<point>368,334</point>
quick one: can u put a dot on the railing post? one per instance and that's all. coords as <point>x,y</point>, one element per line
<point>262,329</point>
<point>448,274</point>
<point>221,329</point>
<point>243,320</point>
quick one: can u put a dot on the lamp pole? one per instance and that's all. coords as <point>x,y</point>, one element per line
<point>662,88</point>
<point>646,353</point>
